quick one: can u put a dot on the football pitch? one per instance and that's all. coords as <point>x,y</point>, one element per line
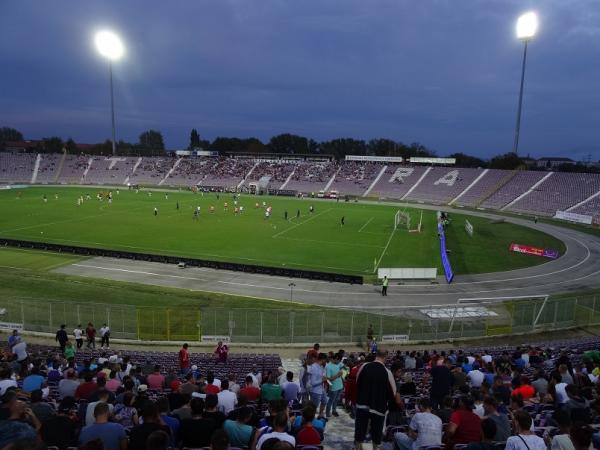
<point>313,241</point>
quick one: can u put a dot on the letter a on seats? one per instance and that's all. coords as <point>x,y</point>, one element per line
<point>401,173</point>
<point>448,179</point>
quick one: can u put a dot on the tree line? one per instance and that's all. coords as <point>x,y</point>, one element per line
<point>151,143</point>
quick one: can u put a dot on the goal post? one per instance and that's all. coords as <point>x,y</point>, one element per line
<point>403,219</point>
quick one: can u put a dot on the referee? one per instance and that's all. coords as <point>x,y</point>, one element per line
<point>384,286</point>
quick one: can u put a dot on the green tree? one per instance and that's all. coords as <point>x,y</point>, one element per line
<point>151,140</point>
<point>288,143</point>
<point>507,161</point>
<point>343,146</point>
<point>10,134</point>
<point>383,147</point>
<point>71,146</point>
<point>194,140</point>
<point>463,160</point>
<point>53,144</point>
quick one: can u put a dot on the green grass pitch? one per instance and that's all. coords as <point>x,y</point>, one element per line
<point>314,241</point>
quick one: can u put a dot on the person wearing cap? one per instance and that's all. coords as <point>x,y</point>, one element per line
<point>60,430</point>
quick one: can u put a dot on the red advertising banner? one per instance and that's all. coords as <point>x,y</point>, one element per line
<point>533,251</point>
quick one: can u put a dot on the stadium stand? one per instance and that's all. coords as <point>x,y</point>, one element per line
<point>478,188</point>
<point>554,383</point>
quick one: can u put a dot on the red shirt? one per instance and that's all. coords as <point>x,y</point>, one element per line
<point>251,393</point>
<point>85,390</point>
<point>525,391</point>
<point>212,389</point>
<point>308,436</point>
<point>468,427</point>
<point>90,332</point>
<point>184,359</point>
<point>155,381</point>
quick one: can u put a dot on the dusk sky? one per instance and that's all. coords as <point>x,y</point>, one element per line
<point>444,73</point>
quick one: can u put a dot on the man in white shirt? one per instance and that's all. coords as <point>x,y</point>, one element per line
<point>256,377</point>
<point>20,349</point>
<point>78,334</point>
<point>89,412</point>
<point>105,336</point>
<point>279,424</point>
<point>425,429</point>
<point>560,388</point>
<point>6,381</point>
<point>476,378</point>
<point>486,357</point>
<point>227,399</point>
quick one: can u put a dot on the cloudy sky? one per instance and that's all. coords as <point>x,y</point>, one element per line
<point>444,73</point>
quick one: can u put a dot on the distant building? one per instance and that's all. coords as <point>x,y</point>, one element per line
<point>549,163</point>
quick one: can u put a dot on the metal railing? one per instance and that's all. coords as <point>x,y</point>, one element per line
<point>284,326</point>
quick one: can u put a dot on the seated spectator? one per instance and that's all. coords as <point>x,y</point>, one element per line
<point>425,429</point>
<point>151,423</point>
<point>20,423</point>
<point>113,383</point>
<point>525,390</point>
<point>60,430</point>
<point>445,411</point>
<point>525,439</point>
<point>171,422</point>
<point>33,381</point>
<point>250,391</point>
<point>211,412</point>
<point>408,388</point>
<point>6,381</point>
<point>185,410</point>
<point>503,429</point>
<point>211,386</point>
<point>156,381</point>
<point>67,386</point>
<point>239,432</point>
<point>196,431</point>
<point>581,437</point>
<point>189,387</point>
<point>111,434</point>
<point>102,398</point>
<point>290,388</point>
<point>561,440</point>
<point>540,384</point>
<point>125,413</point>
<point>488,431</point>
<point>227,400</point>
<point>475,378</point>
<point>465,425</point>
<point>219,440</point>
<point>42,410</point>
<point>308,434</point>
<point>87,388</point>
<point>158,440</point>
<point>279,426</point>
<point>577,406</point>
<point>270,390</point>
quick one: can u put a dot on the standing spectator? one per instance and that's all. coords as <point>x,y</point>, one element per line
<point>19,348</point>
<point>78,335</point>
<point>313,353</point>
<point>465,425</point>
<point>90,333</point>
<point>111,434</point>
<point>156,380</point>
<point>105,336</point>
<point>12,339</point>
<point>240,433</point>
<point>441,383</point>
<point>151,423</point>
<point>62,338</point>
<point>317,377</point>
<point>184,360</point>
<point>333,372</point>
<point>525,439</point>
<point>227,399</point>
<point>221,351</point>
<point>370,335</point>
<point>69,351</point>
<point>375,388</point>
<point>425,429</point>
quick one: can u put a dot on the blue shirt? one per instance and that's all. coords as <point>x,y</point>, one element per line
<point>173,424</point>
<point>110,433</point>
<point>318,424</point>
<point>239,434</point>
<point>32,382</point>
<point>331,370</point>
<point>316,373</point>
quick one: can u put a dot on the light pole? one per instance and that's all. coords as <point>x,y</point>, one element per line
<point>292,285</point>
<point>527,26</point>
<point>110,46</point>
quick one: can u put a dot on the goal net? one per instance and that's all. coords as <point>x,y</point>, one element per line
<point>403,219</point>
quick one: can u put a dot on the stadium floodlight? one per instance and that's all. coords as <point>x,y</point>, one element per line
<point>527,26</point>
<point>111,47</point>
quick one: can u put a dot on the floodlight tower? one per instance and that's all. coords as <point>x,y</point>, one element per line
<point>110,46</point>
<point>527,26</point>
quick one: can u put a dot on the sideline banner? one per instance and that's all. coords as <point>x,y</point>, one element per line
<point>444,255</point>
<point>572,217</point>
<point>545,252</point>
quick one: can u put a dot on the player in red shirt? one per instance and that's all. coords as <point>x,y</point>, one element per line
<point>184,360</point>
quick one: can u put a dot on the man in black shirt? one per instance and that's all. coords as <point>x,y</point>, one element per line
<point>441,383</point>
<point>62,338</point>
<point>197,431</point>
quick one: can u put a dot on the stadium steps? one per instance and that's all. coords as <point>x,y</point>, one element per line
<point>503,182</point>
<point>468,188</point>
<point>247,175</point>
<point>287,180</point>
<point>526,193</point>
<point>416,184</point>
<point>331,180</point>
<point>36,168</point>
<point>368,191</point>
<point>591,197</point>
<point>60,167</point>
<point>170,171</point>
<point>87,169</point>
<point>138,162</point>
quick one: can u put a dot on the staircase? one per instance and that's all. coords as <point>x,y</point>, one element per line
<point>247,175</point>
<point>503,182</point>
<point>36,168</point>
<point>170,171</point>
<point>60,167</point>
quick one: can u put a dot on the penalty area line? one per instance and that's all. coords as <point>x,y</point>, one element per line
<point>301,223</point>
<point>384,249</point>
<point>368,222</point>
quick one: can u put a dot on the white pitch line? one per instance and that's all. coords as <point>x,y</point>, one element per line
<point>301,223</point>
<point>368,221</point>
<point>385,248</point>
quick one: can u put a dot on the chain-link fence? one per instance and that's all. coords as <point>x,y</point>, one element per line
<point>470,318</point>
